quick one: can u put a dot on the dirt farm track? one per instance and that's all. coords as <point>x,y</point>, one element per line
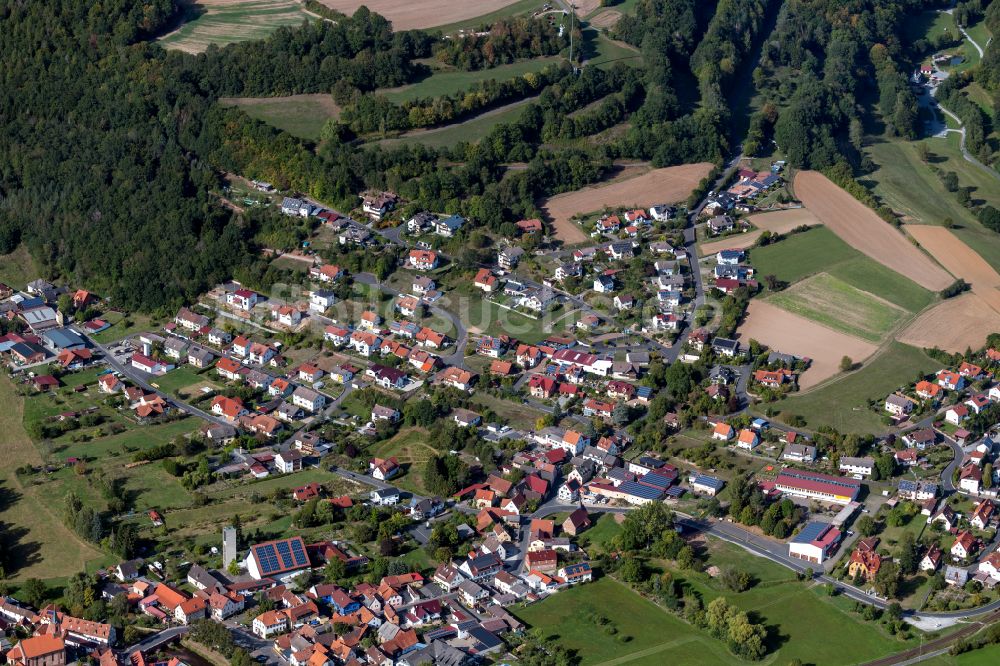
<point>411,14</point>
<point>859,226</point>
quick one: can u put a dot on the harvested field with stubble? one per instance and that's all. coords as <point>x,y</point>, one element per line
<point>667,185</point>
<point>953,325</point>
<point>791,334</point>
<point>778,222</point>
<point>865,231</point>
<point>586,7</point>
<point>229,21</point>
<point>835,304</point>
<point>411,14</point>
<point>606,19</point>
<point>961,260</point>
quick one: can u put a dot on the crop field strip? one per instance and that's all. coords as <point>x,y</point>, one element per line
<point>230,21</point>
<point>835,304</point>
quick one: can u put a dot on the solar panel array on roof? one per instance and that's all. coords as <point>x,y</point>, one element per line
<point>843,482</point>
<point>639,490</point>
<point>279,556</point>
<point>811,532</point>
<point>675,491</point>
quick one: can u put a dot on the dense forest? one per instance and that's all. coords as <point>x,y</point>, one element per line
<point>824,65</point>
<point>507,40</point>
<point>113,145</point>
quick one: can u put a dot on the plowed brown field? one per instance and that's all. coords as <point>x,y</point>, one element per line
<point>952,253</point>
<point>779,222</point>
<point>791,334</point>
<point>953,325</point>
<point>667,185</point>
<point>859,226</point>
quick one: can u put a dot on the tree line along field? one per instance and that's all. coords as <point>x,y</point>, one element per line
<point>469,130</point>
<point>645,633</point>
<point>407,15</point>
<point>304,116</point>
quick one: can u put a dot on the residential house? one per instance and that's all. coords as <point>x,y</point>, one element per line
<point>287,462</point>
<point>326,273</point>
<point>898,405</point>
<point>308,399</point>
<point>242,299</point>
<point>377,205</point>
<point>423,260</point>
<point>965,545</point>
<point>748,439</point>
<point>857,466</point>
<point>865,560</point>
<point>509,257</point>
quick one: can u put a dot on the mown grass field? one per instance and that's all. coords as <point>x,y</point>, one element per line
<point>222,22</point>
<point>820,250</point>
<point>987,656</point>
<point>471,130</point>
<point>410,447</point>
<point>450,81</point>
<point>300,115</point>
<point>565,618</point>
<point>516,414</point>
<point>122,326</point>
<point>18,268</point>
<point>835,304</point>
<point>800,255</point>
<point>842,403</point>
<point>183,377</point>
<point>39,545</point>
<point>913,188</point>
<point>794,613</point>
<point>605,52</point>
